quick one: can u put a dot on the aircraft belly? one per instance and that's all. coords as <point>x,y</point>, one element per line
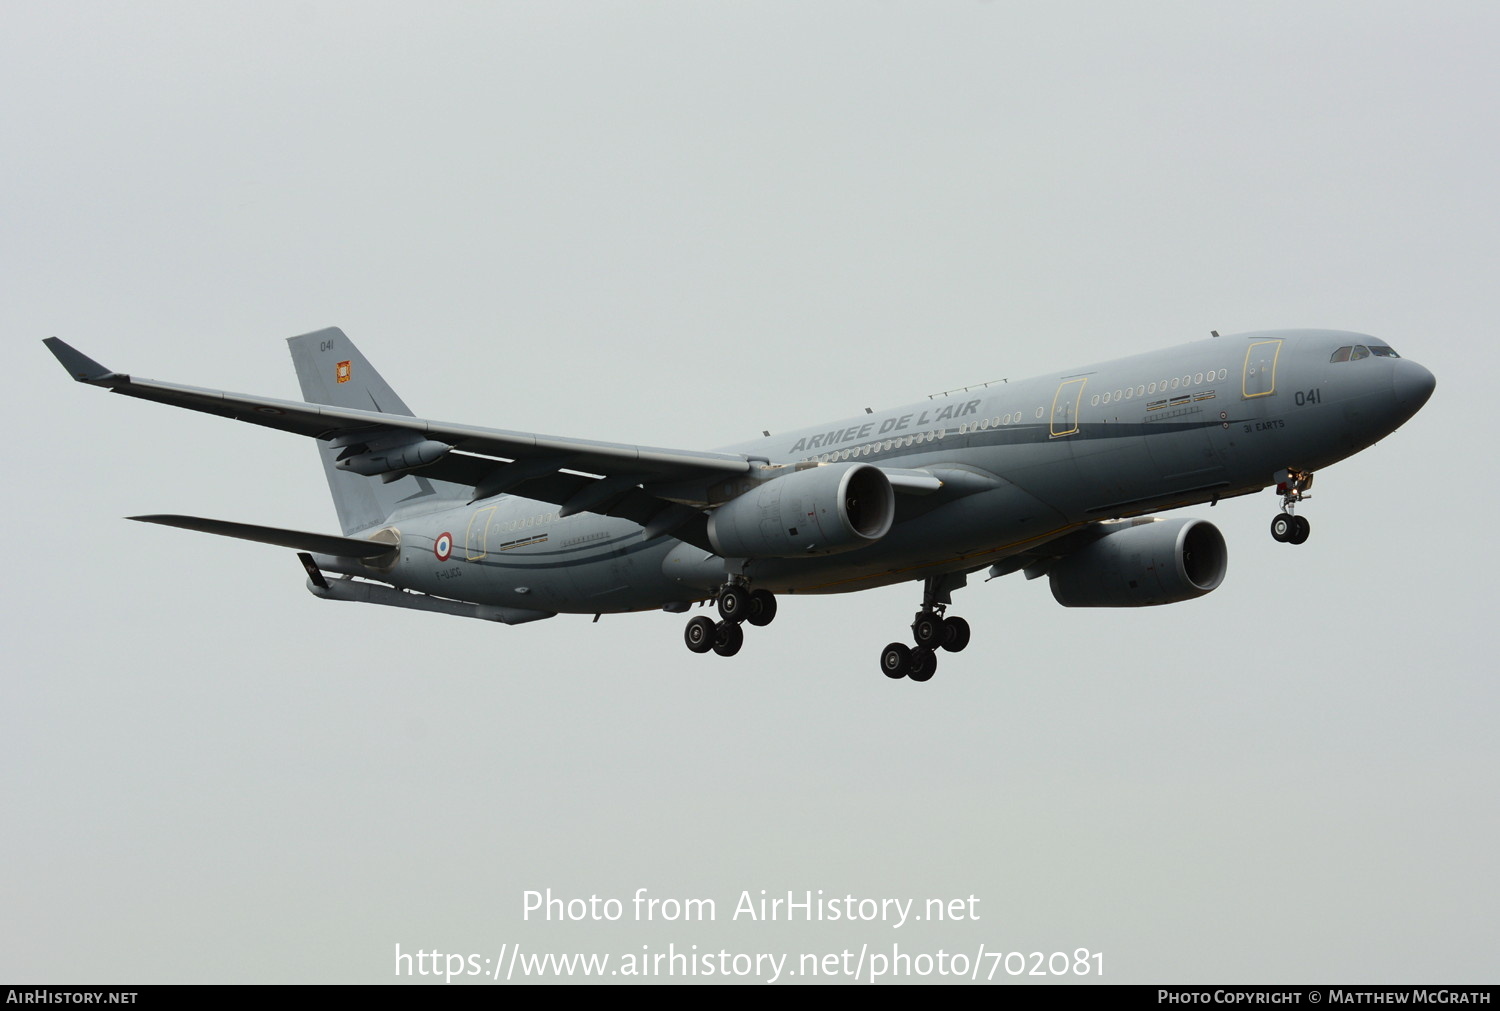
<point>965,534</point>
<point>628,578</point>
<point>599,566</point>
<point>517,553</point>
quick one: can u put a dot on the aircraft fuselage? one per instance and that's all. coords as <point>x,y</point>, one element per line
<point>1022,463</point>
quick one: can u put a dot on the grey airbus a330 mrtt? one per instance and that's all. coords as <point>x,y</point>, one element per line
<point>1055,476</point>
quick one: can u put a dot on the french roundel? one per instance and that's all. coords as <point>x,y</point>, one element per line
<point>443,546</point>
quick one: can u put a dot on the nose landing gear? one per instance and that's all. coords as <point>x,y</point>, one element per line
<point>1286,527</point>
<point>1289,529</point>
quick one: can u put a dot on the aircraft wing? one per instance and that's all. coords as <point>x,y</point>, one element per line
<point>664,490</point>
<point>537,457</point>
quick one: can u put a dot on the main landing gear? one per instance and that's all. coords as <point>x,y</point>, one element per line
<point>930,631</point>
<point>737,604</point>
<point>1287,527</point>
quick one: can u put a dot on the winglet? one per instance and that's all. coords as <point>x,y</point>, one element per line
<point>80,366</point>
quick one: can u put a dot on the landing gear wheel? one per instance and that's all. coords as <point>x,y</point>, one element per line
<point>896,660</point>
<point>1300,529</point>
<point>700,634</point>
<point>923,665</point>
<point>729,638</point>
<point>1282,527</point>
<point>955,634</point>
<point>762,607</point>
<point>734,603</point>
<point>927,629</point>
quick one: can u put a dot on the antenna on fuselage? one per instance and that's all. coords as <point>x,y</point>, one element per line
<point>966,389</point>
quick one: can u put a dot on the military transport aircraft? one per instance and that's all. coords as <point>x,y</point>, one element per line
<point>1055,476</point>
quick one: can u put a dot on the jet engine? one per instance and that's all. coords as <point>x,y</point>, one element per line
<point>818,511</point>
<point>1142,563</point>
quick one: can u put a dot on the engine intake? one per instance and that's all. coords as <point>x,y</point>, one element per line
<point>819,511</point>
<point>1141,564</point>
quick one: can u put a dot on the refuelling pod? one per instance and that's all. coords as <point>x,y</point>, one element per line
<point>818,511</point>
<point>379,459</point>
<point>1143,563</point>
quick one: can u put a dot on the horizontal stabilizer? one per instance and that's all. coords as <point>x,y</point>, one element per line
<point>323,544</point>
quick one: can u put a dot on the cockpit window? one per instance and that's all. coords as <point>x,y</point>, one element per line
<point>1354,352</point>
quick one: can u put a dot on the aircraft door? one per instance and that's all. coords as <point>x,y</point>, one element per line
<point>1260,369</point>
<point>1065,407</point>
<point>477,536</point>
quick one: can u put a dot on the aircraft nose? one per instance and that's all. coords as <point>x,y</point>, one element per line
<point>1412,384</point>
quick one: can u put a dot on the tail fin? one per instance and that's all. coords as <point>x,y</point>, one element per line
<point>332,371</point>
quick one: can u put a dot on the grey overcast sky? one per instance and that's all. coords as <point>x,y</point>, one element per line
<point>678,224</point>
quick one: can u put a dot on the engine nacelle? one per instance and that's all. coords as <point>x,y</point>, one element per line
<point>818,511</point>
<point>1143,563</point>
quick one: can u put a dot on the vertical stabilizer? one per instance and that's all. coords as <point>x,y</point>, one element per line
<point>332,371</point>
